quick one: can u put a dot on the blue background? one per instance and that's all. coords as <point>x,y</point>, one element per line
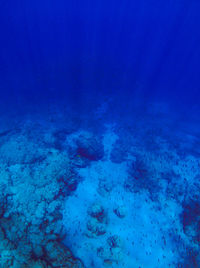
<point>138,49</point>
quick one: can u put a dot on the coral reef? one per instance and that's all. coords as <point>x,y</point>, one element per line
<point>142,176</point>
<point>128,197</point>
<point>34,182</point>
<point>191,219</point>
<point>89,147</point>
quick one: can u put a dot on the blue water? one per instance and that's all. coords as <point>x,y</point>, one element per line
<point>99,133</point>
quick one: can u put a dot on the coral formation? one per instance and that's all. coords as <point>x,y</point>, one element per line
<point>97,211</point>
<point>95,228</point>
<point>89,147</point>
<point>142,176</point>
<point>33,183</point>
<point>120,211</point>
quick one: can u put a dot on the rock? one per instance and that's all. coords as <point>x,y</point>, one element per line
<point>6,258</point>
<point>90,148</point>
<point>38,251</point>
<point>120,211</point>
<point>95,228</point>
<point>3,200</point>
<point>59,256</point>
<point>142,176</point>
<point>104,187</point>
<point>37,264</point>
<point>98,212</point>
<point>112,254</point>
<point>190,219</point>
<point>114,241</point>
<point>68,183</point>
<point>138,169</point>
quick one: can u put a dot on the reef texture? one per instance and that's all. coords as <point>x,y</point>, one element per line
<point>35,177</point>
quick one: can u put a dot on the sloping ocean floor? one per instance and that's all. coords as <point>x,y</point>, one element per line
<point>99,190</point>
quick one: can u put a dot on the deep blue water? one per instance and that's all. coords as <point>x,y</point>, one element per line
<point>53,48</point>
<point>100,133</point>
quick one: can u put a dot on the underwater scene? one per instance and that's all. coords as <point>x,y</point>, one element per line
<point>100,134</point>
